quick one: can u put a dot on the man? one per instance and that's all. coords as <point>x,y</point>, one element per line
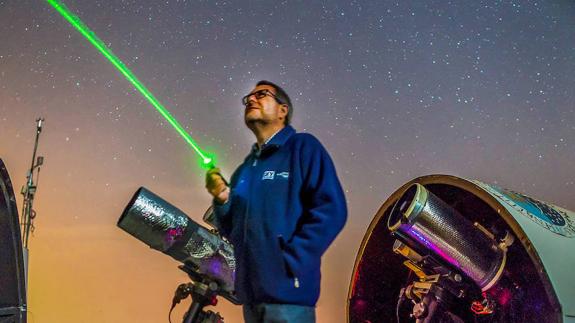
<point>281,211</point>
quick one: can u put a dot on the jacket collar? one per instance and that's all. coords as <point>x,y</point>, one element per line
<point>276,141</point>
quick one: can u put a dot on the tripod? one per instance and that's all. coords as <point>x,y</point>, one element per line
<point>204,292</point>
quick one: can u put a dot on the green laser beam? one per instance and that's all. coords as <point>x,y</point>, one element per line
<point>207,160</point>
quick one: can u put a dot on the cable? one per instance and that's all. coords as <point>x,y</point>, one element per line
<point>170,314</point>
<point>183,291</point>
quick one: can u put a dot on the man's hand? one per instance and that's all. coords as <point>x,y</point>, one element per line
<point>216,185</point>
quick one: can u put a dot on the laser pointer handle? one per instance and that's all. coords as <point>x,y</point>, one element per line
<point>222,176</point>
<point>209,216</point>
<point>223,179</point>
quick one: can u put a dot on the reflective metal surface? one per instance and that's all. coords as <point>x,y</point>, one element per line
<point>422,218</point>
<point>164,227</point>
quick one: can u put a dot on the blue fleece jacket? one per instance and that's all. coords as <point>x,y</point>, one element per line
<point>286,206</point>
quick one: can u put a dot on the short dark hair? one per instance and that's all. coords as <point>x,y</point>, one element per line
<point>281,97</point>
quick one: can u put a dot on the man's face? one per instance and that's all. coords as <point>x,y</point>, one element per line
<point>265,110</point>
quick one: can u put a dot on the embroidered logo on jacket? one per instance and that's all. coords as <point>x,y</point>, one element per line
<point>268,174</point>
<point>284,174</point>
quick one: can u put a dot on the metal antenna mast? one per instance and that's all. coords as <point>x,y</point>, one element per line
<point>28,191</point>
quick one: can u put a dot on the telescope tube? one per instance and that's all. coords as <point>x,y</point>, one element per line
<point>421,218</point>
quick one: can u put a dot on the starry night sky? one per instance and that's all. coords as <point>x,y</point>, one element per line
<point>393,89</point>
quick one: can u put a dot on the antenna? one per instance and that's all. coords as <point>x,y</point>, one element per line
<point>29,190</point>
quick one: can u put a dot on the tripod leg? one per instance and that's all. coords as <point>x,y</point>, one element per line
<point>193,313</point>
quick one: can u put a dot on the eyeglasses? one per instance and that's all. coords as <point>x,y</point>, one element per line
<point>259,95</point>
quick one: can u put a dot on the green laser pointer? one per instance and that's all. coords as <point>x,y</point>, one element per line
<point>208,161</point>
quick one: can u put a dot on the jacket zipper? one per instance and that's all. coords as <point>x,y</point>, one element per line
<point>248,205</point>
<point>254,164</point>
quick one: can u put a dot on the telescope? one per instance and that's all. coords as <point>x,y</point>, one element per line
<point>446,249</point>
<point>206,257</point>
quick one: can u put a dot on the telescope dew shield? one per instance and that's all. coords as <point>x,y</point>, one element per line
<point>165,228</point>
<point>420,217</point>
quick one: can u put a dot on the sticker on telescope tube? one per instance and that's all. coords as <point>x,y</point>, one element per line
<point>547,216</point>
